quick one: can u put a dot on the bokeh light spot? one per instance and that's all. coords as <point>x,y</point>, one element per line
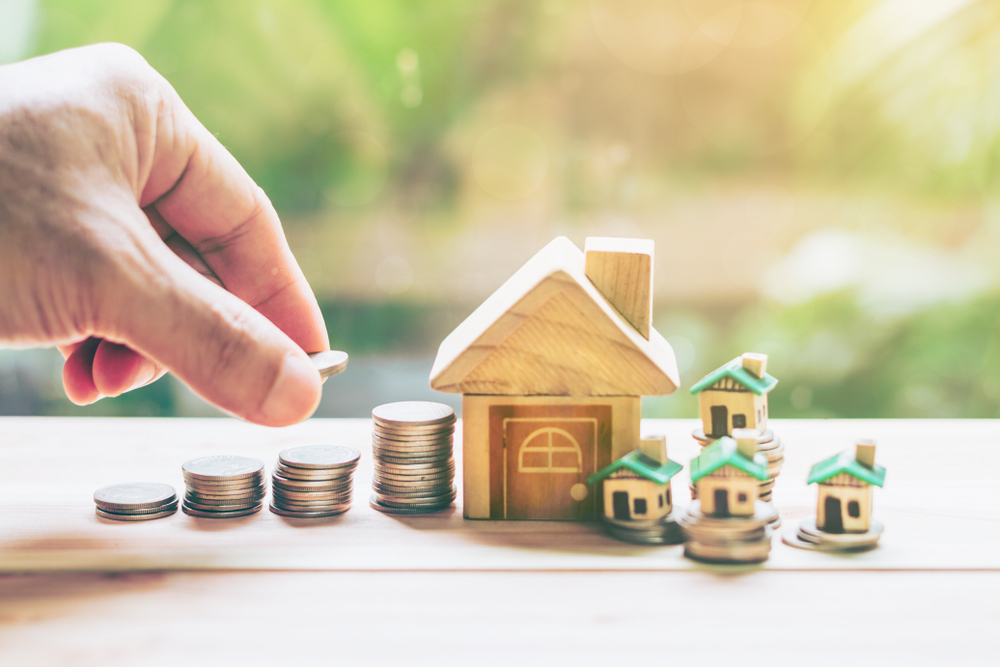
<point>510,161</point>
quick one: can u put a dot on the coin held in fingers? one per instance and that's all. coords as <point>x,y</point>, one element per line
<point>329,363</point>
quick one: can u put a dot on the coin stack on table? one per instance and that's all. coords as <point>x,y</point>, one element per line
<point>313,481</point>
<point>412,448</point>
<point>808,536</point>
<point>661,531</point>
<point>727,539</point>
<point>140,501</point>
<point>223,487</point>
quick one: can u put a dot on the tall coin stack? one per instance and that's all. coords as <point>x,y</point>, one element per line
<point>223,487</point>
<point>313,481</point>
<point>412,449</point>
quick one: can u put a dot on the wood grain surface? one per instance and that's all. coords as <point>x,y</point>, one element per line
<point>940,505</point>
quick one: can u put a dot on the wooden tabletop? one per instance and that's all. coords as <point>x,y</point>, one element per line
<point>436,589</point>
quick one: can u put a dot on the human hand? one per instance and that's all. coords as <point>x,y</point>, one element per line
<point>133,240</point>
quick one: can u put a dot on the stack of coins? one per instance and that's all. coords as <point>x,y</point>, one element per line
<point>313,481</point>
<point>140,501</point>
<point>809,536</point>
<point>661,531</point>
<point>412,448</point>
<point>223,487</point>
<point>727,539</point>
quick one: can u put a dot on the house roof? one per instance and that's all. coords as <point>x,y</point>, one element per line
<point>642,465</point>
<point>549,331</point>
<point>844,462</point>
<point>723,452</point>
<point>734,369</point>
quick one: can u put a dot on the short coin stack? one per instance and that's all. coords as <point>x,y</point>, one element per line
<point>223,487</point>
<point>313,481</point>
<point>140,501</point>
<point>662,531</point>
<point>412,448</point>
<point>767,444</point>
<point>727,539</point>
<point>809,536</point>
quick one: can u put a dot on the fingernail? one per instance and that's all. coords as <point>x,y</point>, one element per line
<point>296,393</point>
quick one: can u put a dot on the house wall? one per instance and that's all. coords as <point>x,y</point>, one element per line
<point>862,494</point>
<point>736,402</point>
<point>476,473</point>
<point>646,489</point>
<point>735,482</point>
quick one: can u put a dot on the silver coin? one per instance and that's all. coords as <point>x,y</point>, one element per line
<point>415,479</point>
<point>669,534</point>
<point>305,485</point>
<point>808,526</point>
<point>413,412</point>
<point>295,476</point>
<point>414,460</point>
<point>382,466</point>
<point>430,501</point>
<point>218,507</point>
<point>446,438</point>
<point>168,507</point>
<point>762,439</point>
<point>114,516</point>
<point>226,493</point>
<point>222,467</point>
<point>410,492</point>
<point>220,515</point>
<point>293,514</point>
<point>385,509</point>
<point>406,450</point>
<point>314,497</point>
<point>322,456</point>
<point>134,495</point>
<point>310,507</point>
<point>445,482</point>
<point>329,362</point>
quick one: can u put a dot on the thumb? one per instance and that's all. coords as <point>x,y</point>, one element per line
<point>223,349</point>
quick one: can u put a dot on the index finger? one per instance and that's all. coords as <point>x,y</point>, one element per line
<point>204,194</point>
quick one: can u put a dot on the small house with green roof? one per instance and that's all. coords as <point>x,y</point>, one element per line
<point>735,396</point>
<point>726,475</point>
<point>637,486</point>
<point>845,481</point>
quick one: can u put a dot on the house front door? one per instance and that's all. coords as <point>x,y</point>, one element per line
<point>834,520</point>
<point>546,456</point>
<point>721,500</point>
<point>621,506</point>
<point>720,421</point>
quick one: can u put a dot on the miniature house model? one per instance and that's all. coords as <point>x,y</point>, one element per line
<point>845,489</point>
<point>735,396</point>
<point>637,486</point>
<point>552,367</point>
<point>726,475</point>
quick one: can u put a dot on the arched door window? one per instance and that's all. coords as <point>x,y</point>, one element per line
<point>550,450</point>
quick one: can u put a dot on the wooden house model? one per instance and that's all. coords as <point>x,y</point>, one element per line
<point>552,368</point>
<point>726,474</point>
<point>845,485</point>
<point>636,487</point>
<point>735,396</point>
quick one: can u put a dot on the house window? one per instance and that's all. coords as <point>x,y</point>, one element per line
<point>639,506</point>
<point>668,496</point>
<point>758,415</point>
<point>743,497</point>
<point>854,509</point>
<point>550,450</point>
<point>661,499</point>
<point>739,421</point>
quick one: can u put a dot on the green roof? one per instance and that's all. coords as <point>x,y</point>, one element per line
<point>845,462</point>
<point>734,369</point>
<point>723,452</point>
<point>642,465</point>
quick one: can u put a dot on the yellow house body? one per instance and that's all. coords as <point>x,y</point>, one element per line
<point>727,491</point>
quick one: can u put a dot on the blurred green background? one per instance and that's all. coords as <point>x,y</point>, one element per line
<point>819,177</point>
